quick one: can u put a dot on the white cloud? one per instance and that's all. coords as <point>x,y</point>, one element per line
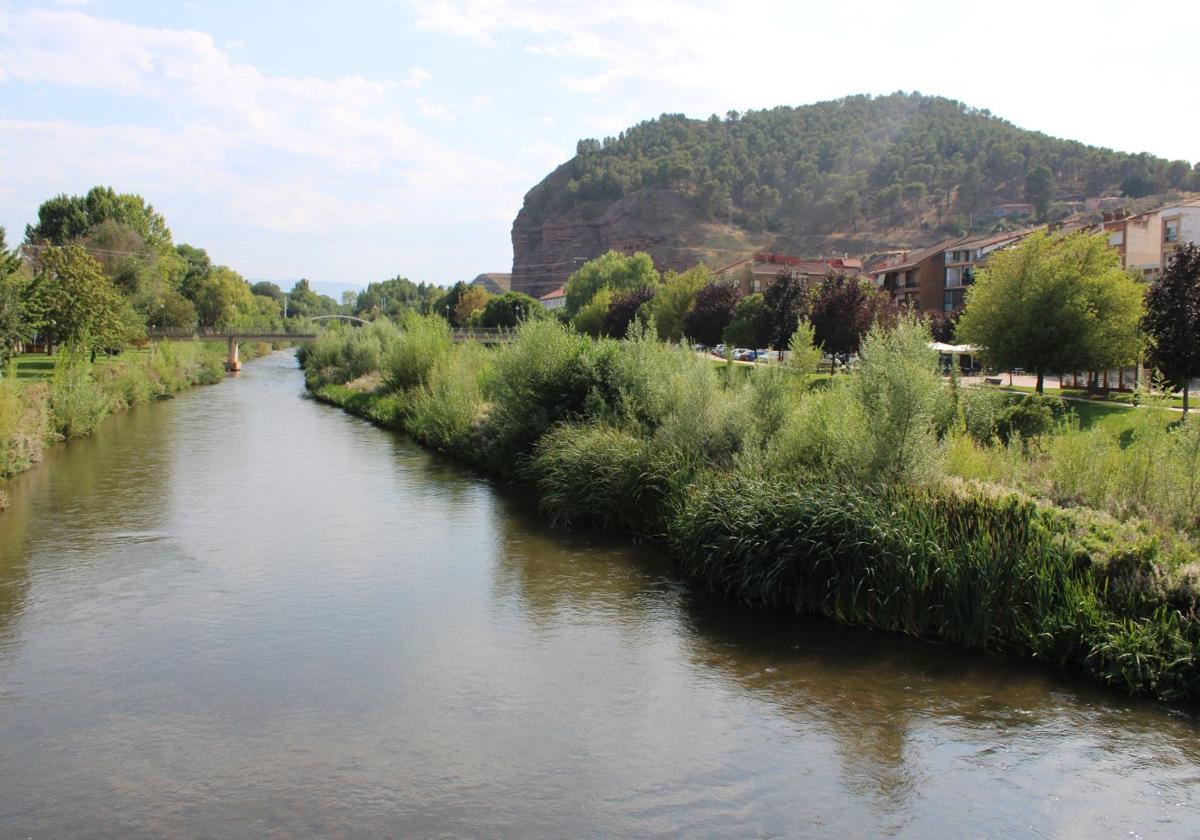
<point>433,111</point>
<point>227,122</point>
<point>544,153</point>
<point>416,77</point>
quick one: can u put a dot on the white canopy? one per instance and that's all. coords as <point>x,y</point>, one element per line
<point>952,349</point>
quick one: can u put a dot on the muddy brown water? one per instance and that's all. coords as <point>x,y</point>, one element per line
<point>239,613</point>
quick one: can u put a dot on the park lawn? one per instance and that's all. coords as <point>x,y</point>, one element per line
<point>41,366</point>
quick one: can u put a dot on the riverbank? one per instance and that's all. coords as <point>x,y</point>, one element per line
<point>52,399</point>
<point>836,500</point>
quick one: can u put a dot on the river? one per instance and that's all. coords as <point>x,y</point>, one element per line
<point>239,613</point>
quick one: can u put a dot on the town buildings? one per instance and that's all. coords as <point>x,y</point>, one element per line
<point>1180,224</point>
<point>554,300</point>
<point>758,273</point>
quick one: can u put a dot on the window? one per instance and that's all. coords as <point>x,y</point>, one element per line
<point>953,277</point>
<point>952,299</point>
<point>1116,238</point>
<point>1171,231</point>
<point>968,276</point>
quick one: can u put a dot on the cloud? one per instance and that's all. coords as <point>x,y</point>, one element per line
<point>434,112</point>
<point>544,153</point>
<point>224,122</point>
<point>416,77</point>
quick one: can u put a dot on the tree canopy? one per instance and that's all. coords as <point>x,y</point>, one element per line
<point>613,271</point>
<point>1172,319</point>
<point>711,313</point>
<point>827,165</point>
<point>1054,303</point>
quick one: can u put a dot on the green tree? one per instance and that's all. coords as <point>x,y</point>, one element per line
<point>589,320</point>
<point>1053,303</point>
<point>303,302</point>
<point>1040,189</point>
<point>64,218</point>
<point>510,309</point>
<point>15,326</point>
<point>220,297</point>
<point>1172,319</point>
<point>786,303</point>
<point>749,326</point>
<point>675,298</point>
<point>614,271</point>
<point>711,314</point>
<point>75,304</point>
<point>803,353</point>
<point>473,300</point>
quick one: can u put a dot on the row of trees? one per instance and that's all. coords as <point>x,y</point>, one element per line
<point>98,270</point>
<point>609,293</point>
<point>1049,304</point>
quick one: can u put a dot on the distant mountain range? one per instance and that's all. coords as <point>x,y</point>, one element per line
<point>855,175</point>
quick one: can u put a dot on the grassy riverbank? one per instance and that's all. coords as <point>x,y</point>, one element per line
<point>883,498</point>
<point>48,399</point>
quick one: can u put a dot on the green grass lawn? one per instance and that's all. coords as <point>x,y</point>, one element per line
<point>41,366</point>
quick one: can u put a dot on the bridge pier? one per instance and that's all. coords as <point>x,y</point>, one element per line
<point>233,364</point>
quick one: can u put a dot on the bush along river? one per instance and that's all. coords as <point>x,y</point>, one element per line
<point>242,613</point>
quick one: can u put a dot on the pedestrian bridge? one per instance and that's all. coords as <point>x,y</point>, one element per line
<point>234,338</point>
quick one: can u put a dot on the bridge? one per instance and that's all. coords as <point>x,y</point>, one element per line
<point>484,335</point>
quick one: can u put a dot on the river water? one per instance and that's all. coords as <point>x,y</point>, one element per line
<point>239,613</point>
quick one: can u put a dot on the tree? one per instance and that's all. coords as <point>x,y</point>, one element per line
<point>64,218</point>
<point>942,324</point>
<point>472,300</point>
<point>614,271</point>
<point>711,314</point>
<point>266,288</point>
<point>843,309</point>
<point>803,353</point>
<point>510,309</point>
<point>589,320</point>
<point>75,304</point>
<point>625,307</point>
<point>1053,303</point>
<point>787,302</point>
<point>675,298</point>
<point>15,326</point>
<point>303,302</point>
<point>1040,189</point>
<point>220,297</point>
<point>1172,319</point>
<point>749,325</point>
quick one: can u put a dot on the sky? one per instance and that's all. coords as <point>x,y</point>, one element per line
<point>356,141</point>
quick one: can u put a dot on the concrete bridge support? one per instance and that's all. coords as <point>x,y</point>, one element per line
<point>233,364</point>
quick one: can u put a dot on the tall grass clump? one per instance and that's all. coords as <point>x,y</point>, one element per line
<point>901,393</point>
<point>77,402</point>
<point>447,412</point>
<point>548,374</point>
<point>24,423</point>
<point>602,476</point>
<point>823,438</point>
<point>423,340</point>
<point>343,353</point>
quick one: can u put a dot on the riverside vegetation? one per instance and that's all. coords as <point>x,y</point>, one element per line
<point>79,394</point>
<point>883,497</point>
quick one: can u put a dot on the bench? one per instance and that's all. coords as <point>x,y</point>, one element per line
<point>992,380</point>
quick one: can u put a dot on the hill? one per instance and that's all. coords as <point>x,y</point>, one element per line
<point>857,175</point>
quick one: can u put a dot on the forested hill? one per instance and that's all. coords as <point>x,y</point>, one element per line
<point>861,172</point>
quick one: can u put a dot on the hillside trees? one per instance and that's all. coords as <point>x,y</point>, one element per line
<point>1172,319</point>
<point>1039,189</point>
<point>1053,304</point>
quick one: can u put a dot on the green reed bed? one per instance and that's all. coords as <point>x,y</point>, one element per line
<point>841,500</point>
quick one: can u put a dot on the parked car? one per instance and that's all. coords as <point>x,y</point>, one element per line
<point>763,355</point>
<point>719,350</point>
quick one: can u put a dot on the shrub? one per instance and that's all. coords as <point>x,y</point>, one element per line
<point>447,410</point>
<point>900,390</point>
<point>423,341</point>
<point>824,437</point>
<point>1030,417</point>
<point>24,423</point>
<point>77,402</point>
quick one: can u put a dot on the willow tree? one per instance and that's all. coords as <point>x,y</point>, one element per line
<point>1054,303</point>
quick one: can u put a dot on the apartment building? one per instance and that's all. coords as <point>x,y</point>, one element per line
<point>1138,239</point>
<point>915,279</point>
<point>1180,224</point>
<point>963,259</point>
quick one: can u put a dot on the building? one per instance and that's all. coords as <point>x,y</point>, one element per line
<point>1180,224</point>
<point>555,300</point>
<point>962,260</point>
<point>1138,239</point>
<point>758,273</point>
<point>915,279</point>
